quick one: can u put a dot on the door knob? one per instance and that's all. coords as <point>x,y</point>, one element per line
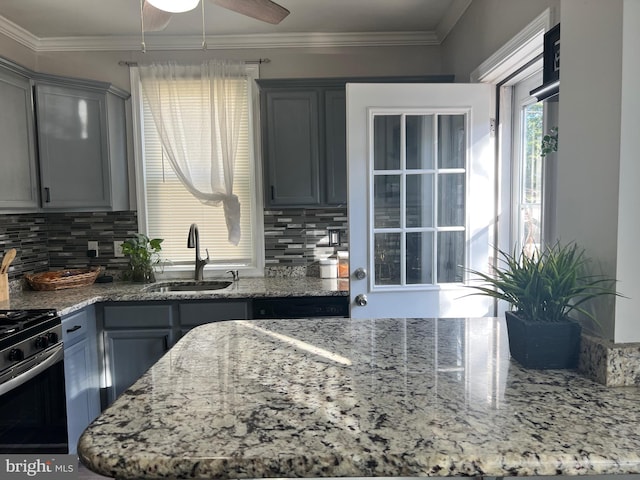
<point>360,273</point>
<point>361,300</point>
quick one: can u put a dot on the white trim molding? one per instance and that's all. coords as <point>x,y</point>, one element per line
<point>155,41</point>
<point>527,44</point>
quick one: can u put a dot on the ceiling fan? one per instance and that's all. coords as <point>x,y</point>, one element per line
<point>156,14</point>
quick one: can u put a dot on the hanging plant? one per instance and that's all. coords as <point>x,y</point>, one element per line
<point>550,142</point>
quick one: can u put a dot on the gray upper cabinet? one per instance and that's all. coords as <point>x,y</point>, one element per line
<point>303,124</point>
<point>82,146</point>
<point>335,121</point>
<point>292,147</point>
<point>19,178</point>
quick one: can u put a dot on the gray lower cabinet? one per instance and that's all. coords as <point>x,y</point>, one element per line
<point>193,314</point>
<point>19,178</point>
<point>82,145</point>
<point>81,371</point>
<point>135,337</point>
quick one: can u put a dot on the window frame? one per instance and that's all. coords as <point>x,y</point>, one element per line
<point>256,269</point>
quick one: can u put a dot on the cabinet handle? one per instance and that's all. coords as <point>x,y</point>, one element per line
<point>47,195</point>
<point>166,342</point>
<point>76,327</point>
<point>273,192</point>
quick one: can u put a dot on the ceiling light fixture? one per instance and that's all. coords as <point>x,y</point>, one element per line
<point>174,6</point>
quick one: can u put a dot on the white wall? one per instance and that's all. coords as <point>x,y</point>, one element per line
<point>485,27</point>
<point>627,321</point>
<point>589,125</point>
<point>285,62</point>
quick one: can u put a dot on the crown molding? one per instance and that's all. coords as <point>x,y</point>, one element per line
<point>155,41</point>
<point>18,34</point>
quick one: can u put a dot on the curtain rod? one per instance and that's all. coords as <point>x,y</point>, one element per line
<point>126,63</point>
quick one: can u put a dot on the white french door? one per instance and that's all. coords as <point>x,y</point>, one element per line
<point>421,198</point>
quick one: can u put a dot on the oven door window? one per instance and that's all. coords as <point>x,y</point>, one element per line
<point>33,416</point>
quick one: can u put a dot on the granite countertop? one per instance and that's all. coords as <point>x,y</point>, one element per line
<point>70,300</point>
<point>346,397</point>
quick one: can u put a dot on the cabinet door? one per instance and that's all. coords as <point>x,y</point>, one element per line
<point>130,353</point>
<point>81,371</point>
<point>72,136</point>
<point>291,139</point>
<point>19,179</point>
<point>335,147</point>
<point>77,377</point>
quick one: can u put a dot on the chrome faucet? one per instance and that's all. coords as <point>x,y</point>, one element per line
<point>193,241</point>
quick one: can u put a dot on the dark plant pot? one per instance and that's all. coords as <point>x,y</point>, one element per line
<point>544,345</point>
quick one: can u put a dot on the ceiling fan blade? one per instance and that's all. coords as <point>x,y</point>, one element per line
<point>154,18</point>
<point>264,10</point>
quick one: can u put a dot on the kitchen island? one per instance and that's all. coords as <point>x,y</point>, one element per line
<point>342,397</point>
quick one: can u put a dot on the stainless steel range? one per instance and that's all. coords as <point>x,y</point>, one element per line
<point>32,394</point>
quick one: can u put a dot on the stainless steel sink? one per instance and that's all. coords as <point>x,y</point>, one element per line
<point>189,287</point>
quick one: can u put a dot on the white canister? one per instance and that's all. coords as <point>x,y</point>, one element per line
<point>328,268</point>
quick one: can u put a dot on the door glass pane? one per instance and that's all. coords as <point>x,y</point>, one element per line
<point>451,141</point>
<point>386,142</point>
<point>420,200</point>
<point>386,201</point>
<point>419,141</point>
<point>451,257</point>
<point>419,257</point>
<point>451,200</point>
<point>387,258</point>
<point>531,179</point>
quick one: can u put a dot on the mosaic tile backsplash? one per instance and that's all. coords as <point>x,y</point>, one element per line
<point>295,239</point>
<point>59,240</point>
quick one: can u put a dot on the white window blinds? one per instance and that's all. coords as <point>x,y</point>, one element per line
<point>171,208</point>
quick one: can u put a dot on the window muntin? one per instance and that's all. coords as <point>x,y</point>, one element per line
<point>419,198</point>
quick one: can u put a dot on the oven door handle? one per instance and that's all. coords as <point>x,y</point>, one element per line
<point>54,356</point>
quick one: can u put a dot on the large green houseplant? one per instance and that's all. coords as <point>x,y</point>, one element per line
<point>543,290</point>
<point>144,254</point>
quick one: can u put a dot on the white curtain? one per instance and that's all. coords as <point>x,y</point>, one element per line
<point>199,129</point>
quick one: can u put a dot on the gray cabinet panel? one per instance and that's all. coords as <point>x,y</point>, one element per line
<point>73,147</point>
<point>291,139</point>
<point>130,353</point>
<point>138,316</point>
<point>192,314</point>
<point>19,178</point>
<point>82,146</point>
<point>335,147</point>
<point>81,371</point>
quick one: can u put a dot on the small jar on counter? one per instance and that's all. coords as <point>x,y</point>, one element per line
<point>343,264</point>
<point>328,268</point>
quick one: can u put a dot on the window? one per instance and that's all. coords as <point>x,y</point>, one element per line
<point>419,192</point>
<point>166,208</point>
<point>528,167</point>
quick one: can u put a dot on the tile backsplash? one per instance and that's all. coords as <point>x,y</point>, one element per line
<point>295,239</point>
<point>59,240</point>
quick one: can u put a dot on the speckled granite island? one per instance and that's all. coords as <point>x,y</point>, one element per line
<point>342,397</point>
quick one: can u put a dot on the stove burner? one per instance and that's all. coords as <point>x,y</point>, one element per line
<point>13,322</point>
<point>12,315</point>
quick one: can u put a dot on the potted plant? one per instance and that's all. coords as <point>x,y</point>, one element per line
<point>543,290</point>
<point>143,254</point>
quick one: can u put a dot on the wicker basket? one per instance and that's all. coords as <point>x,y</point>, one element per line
<point>58,280</point>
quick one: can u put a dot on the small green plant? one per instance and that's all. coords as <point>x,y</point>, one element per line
<point>143,254</point>
<point>549,142</point>
<point>547,286</point>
